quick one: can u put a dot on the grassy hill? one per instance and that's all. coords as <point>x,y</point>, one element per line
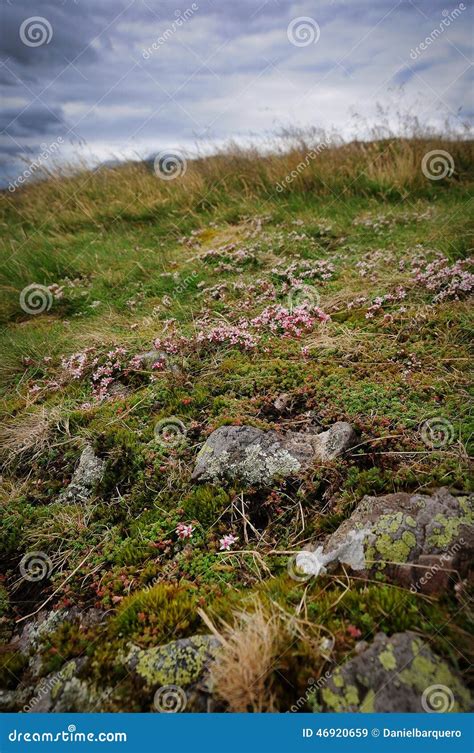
<point>281,292</point>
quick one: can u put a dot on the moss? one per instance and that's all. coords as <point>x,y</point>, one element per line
<point>156,615</point>
<point>11,668</point>
<point>205,504</point>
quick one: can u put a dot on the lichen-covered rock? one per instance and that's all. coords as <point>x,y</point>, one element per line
<point>65,692</point>
<point>396,674</point>
<point>422,541</point>
<point>257,457</point>
<point>85,479</point>
<point>184,663</point>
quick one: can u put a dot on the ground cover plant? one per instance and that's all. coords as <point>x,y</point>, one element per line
<point>141,315</point>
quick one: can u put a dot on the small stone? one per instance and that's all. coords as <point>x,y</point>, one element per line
<point>86,477</point>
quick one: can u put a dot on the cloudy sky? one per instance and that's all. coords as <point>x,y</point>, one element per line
<point>109,78</point>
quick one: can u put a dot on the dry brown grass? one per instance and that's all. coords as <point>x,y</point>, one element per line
<point>242,673</point>
<point>29,432</point>
<point>390,165</point>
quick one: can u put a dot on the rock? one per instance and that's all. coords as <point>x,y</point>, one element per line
<point>151,357</point>
<point>257,457</point>
<point>281,401</point>
<point>396,674</point>
<point>182,665</point>
<point>65,692</point>
<point>85,479</point>
<point>422,541</point>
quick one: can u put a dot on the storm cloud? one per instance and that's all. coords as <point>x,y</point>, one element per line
<point>131,77</point>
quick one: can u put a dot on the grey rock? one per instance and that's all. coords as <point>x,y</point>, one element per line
<point>65,692</point>
<point>149,358</point>
<point>423,541</point>
<point>182,665</point>
<point>396,674</point>
<point>257,457</point>
<point>85,479</point>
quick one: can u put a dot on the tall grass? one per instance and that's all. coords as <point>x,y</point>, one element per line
<point>297,162</point>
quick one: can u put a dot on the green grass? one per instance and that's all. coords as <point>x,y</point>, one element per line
<point>386,377</point>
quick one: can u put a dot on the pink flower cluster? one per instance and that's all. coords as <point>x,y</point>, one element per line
<point>227,541</point>
<point>445,279</point>
<point>290,323</point>
<point>230,335</point>
<point>378,303</point>
<point>184,531</point>
<point>78,364</point>
<point>299,271</point>
<point>107,372</point>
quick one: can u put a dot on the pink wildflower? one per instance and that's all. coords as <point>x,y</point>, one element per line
<point>184,531</point>
<point>227,541</point>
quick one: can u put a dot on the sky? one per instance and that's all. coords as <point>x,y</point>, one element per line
<point>105,79</point>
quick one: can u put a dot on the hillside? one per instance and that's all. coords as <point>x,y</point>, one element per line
<point>320,307</point>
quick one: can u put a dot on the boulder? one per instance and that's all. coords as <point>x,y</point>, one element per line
<point>85,479</point>
<point>176,675</point>
<point>421,540</point>
<point>397,674</point>
<point>257,457</point>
